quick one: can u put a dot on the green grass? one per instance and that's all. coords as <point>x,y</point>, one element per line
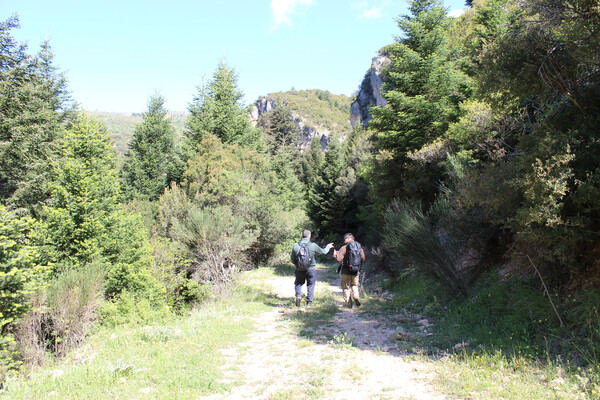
<point>493,375</point>
<point>178,359</point>
<point>312,384</point>
<point>503,341</point>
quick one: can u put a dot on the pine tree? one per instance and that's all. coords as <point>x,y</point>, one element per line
<point>218,109</point>
<point>424,86</point>
<point>84,193</point>
<point>326,206</point>
<point>151,156</point>
<point>34,106</point>
<point>84,222</point>
<point>311,163</point>
<point>280,128</point>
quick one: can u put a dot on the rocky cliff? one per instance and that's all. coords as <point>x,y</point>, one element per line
<point>369,93</point>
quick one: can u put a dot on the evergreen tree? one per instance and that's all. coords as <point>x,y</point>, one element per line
<point>325,204</point>
<point>34,105</point>
<point>287,187</point>
<point>21,272</point>
<point>311,163</point>
<point>84,221</point>
<point>424,86</point>
<point>280,128</point>
<point>218,109</point>
<point>151,158</point>
<point>84,193</point>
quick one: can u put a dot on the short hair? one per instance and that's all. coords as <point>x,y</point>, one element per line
<point>349,236</point>
<point>306,233</point>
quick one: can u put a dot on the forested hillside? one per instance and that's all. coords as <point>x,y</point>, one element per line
<point>477,183</point>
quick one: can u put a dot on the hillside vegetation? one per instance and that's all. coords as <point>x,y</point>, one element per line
<point>121,126</point>
<point>317,109</point>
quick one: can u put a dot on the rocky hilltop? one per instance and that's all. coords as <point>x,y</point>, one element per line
<point>317,113</point>
<point>342,112</point>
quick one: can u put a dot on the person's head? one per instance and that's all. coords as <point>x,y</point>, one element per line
<point>348,237</point>
<point>306,234</point>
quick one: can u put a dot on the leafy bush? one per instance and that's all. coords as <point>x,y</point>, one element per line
<point>131,308</point>
<point>130,260</point>
<point>21,274</point>
<point>255,189</point>
<point>171,267</point>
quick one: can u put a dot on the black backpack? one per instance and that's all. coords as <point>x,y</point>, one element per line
<point>354,260</point>
<point>303,259</point>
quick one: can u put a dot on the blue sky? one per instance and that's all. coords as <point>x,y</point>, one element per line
<point>117,53</point>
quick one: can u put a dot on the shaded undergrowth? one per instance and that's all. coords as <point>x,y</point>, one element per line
<point>505,339</point>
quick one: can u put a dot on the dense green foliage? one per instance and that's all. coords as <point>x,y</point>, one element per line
<point>496,118</point>
<point>424,86</point>
<point>84,221</point>
<point>21,274</point>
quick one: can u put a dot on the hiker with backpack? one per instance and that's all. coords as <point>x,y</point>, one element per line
<point>352,256</point>
<point>303,257</point>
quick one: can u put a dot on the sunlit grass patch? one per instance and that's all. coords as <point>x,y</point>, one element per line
<point>354,373</point>
<point>493,375</point>
<point>179,360</point>
<point>306,321</point>
<point>311,382</point>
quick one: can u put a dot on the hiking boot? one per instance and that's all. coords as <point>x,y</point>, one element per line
<point>298,301</point>
<point>308,304</point>
<point>357,302</point>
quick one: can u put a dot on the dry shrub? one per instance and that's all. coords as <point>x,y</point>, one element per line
<point>412,239</point>
<point>31,330</point>
<point>217,240</point>
<point>62,315</point>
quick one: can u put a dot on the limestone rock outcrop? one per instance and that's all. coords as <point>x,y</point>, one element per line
<point>369,93</point>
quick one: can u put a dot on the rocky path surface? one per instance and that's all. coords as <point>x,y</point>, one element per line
<point>358,354</point>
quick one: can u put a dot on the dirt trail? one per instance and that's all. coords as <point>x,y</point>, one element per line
<point>276,363</point>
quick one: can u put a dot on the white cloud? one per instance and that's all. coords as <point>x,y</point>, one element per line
<point>283,9</point>
<point>456,13</point>
<point>372,12</point>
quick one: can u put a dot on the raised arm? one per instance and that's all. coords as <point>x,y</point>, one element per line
<point>339,255</point>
